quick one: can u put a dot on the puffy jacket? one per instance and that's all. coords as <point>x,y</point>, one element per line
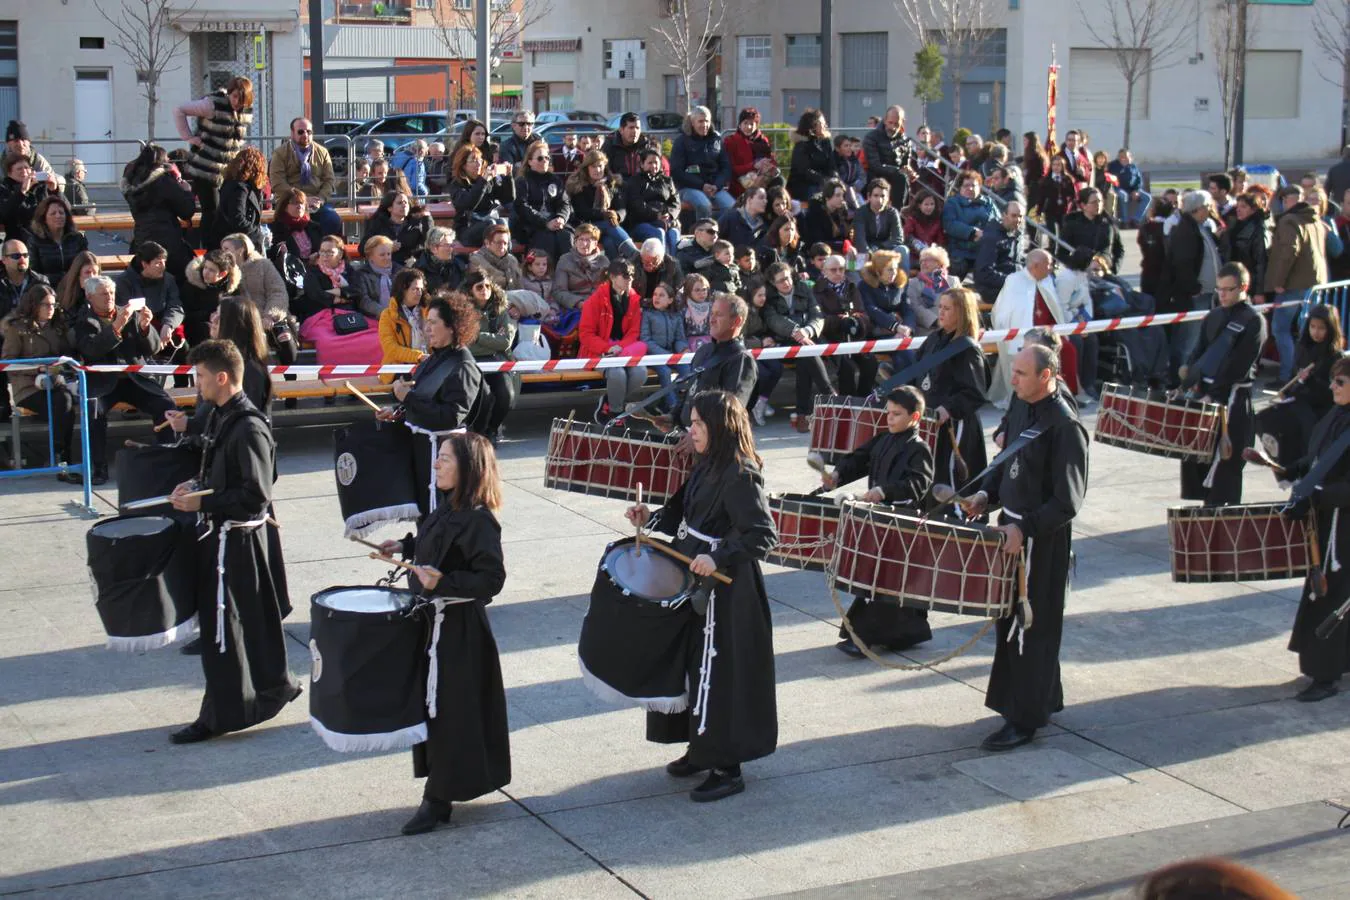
<point>161,297</point>
<point>441,273</point>
<point>575,278</point>
<point>159,204</point>
<point>1099,235</point>
<point>663,330</point>
<point>625,160</point>
<point>263,285</point>
<point>697,161</point>
<point>27,340</point>
<point>812,163</point>
<point>504,270</point>
<point>475,199</point>
<point>886,156</point>
<point>1248,242</point>
<point>365,286</point>
<point>1180,279</point>
<point>960,218</point>
<point>52,256</point>
<point>496,328</point>
<point>1127,176</point>
<point>784,315</point>
<point>597,322</point>
<point>1297,259</point>
<point>884,304</point>
<point>201,299</point>
<point>239,212</point>
<point>410,234</point>
<point>396,338</point>
<point>647,198</point>
<point>736,228</point>
<point>1000,254</point>
<point>539,198</point>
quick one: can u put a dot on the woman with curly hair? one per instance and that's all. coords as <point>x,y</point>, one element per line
<point>241,199</point>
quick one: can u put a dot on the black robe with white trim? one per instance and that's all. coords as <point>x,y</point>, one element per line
<point>958,385</point>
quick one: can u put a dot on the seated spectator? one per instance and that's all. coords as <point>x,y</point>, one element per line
<point>781,204</point>
<point>922,223</point>
<point>70,291</point>
<point>52,238</point>
<point>1246,239</point>
<point>747,262</point>
<point>262,286</point>
<point>625,149</point>
<point>1105,183</point>
<point>815,259</point>
<point>1028,299</point>
<point>412,162</point>
<point>296,229</point>
<point>331,317</point>
<point>656,266</point>
<point>1091,231</point>
<point>1003,183</point>
<point>724,277</point>
<point>1003,250</point>
<point>372,278</point>
<point>695,299</point>
<point>699,165</point>
<point>437,172</point>
<point>876,224</point>
<point>76,194</point>
<point>241,198</point>
<point>663,332</point>
<point>404,224</point>
<point>826,220</point>
<point>479,193</point>
<point>403,337</point>
<point>597,200</point>
<point>756,334</point>
<point>207,280</point>
<point>881,293</point>
<point>792,317</point>
<point>146,277</point>
<point>750,155</point>
<point>926,288</point>
<point>303,164</point>
<point>375,151</point>
<point>496,337</point>
<point>1057,195</point>
<point>812,155</point>
<point>581,270</point>
<point>542,210</point>
<point>537,276</point>
<point>1131,198</point>
<point>495,258</point>
<point>698,248</point>
<point>848,168</point>
<point>745,223</point>
<point>20,193</point>
<point>611,325</point>
<point>845,320</point>
<point>966,216</point>
<point>782,243</point>
<point>382,179</point>
<point>18,276</point>
<point>652,202</point>
<point>438,261</point>
<point>107,334</point>
<point>36,329</point>
<point>358,176</point>
<point>475,133</point>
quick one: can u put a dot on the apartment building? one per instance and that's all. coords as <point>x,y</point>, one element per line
<point>604,55</point>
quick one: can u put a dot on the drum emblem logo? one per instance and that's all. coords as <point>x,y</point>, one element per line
<point>553,190</point>
<point>316,669</point>
<point>346,469</point>
<point>927,383</point>
<point>1015,469</point>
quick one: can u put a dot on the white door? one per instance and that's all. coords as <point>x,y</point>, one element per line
<point>93,122</point>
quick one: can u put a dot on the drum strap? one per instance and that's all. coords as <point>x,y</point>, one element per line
<point>1218,449</point>
<point>225,528</point>
<point>914,372</point>
<point>685,531</point>
<point>434,437</point>
<point>1322,466</point>
<point>1208,363</point>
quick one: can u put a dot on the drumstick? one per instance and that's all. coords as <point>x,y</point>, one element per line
<point>397,563</point>
<point>637,540</point>
<point>962,470</point>
<point>1225,442</point>
<point>1317,579</point>
<point>816,461</point>
<point>360,396</point>
<point>675,554</point>
<point>371,544</point>
<point>161,426</point>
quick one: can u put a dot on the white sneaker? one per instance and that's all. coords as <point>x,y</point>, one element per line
<point>757,412</point>
<point>769,411</point>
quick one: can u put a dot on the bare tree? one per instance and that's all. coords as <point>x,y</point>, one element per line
<point>688,34</point>
<point>1230,31</point>
<point>457,27</point>
<point>960,27</point>
<point>1142,36</point>
<point>143,30</point>
<point>1333,39</point>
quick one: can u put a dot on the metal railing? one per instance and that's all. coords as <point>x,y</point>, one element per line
<point>83,468</point>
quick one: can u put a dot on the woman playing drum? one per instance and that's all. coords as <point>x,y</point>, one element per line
<point>458,554</point>
<point>954,389</point>
<point>721,518</point>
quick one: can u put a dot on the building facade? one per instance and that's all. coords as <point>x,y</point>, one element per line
<point>603,55</point>
<point>62,75</point>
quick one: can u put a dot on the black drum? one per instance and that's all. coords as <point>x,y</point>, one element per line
<point>144,570</point>
<point>1283,428</point>
<point>636,634</point>
<point>373,464</point>
<point>368,683</point>
<point>144,472</point>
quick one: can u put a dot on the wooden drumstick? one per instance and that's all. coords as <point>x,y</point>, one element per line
<point>816,461</point>
<point>365,543</point>
<point>1317,579</point>
<point>962,470</point>
<point>396,563</point>
<point>360,396</point>
<point>161,426</point>
<point>637,540</point>
<point>1225,442</point>
<point>675,554</point>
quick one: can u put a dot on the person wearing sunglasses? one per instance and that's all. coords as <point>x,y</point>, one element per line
<point>542,209</point>
<point>697,251</point>
<point>304,164</point>
<point>514,149</point>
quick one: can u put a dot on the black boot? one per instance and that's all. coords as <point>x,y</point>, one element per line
<point>719,784</point>
<point>1008,737</point>
<point>1318,690</point>
<point>430,814</point>
<point>192,734</point>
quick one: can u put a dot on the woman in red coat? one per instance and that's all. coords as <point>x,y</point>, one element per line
<point>611,321</point>
<point>751,154</point>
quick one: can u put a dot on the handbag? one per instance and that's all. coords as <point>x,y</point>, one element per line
<point>530,343</point>
<point>345,323</point>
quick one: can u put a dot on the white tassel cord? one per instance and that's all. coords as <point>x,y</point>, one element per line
<point>143,643</point>
<point>1333,562</point>
<point>370,743</point>
<point>1208,483</point>
<point>433,670</point>
<point>363,523</point>
<point>705,668</point>
<point>609,695</point>
<point>225,530</point>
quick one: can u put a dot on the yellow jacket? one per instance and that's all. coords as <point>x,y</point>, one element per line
<point>396,338</point>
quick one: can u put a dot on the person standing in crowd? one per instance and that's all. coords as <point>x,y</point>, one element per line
<point>792,317</point>
<point>147,276</point>
<point>1002,251</point>
<point>888,153</point>
<point>1219,370</point>
<point>457,553</point>
<point>750,155</point>
<point>1295,265</point>
<point>954,388</point>
<point>1220,187</point>
<point>1090,231</point>
<point>1246,236</point>
<point>160,202</point>
<point>812,156</point>
<point>239,199</point>
<point>626,148</point>
<point>513,150</point>
<point>248,679</point>
<point>37,329</point>
<point>1077,162</point>
<point>223,118</point>
<point>1056,195</point>
<point>1131,198</point>
<point>699,165</point>
<point>52,238</point>
<point>611,325</point>
<point>899,470</point>
<point>966,216</point>
<point>652,202</point>
<point>496,335</point>
<point>542,209</point>
<point>304,164</point>
<point>18,143</point>
<point>1040,491</point>
<point>1188,280</point>
<point>77,195</point>
<point>1338,176</point>
<point>720,518</point>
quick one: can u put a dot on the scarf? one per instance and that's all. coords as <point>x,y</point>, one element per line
<point>335,274</point>
<point>296,228</point>
<point>386,281</point>
<point>419,335</point>
<point>304,156</point>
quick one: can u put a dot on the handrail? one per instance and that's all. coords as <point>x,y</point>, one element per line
<point>84,467</point>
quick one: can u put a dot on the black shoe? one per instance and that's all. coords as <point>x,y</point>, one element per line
<point>602,411</point>
<point>70,477</point>
<point>99,476</point>
<point>430,814</point>
<point>848,648</point>
<point>683,768</point>
<point>1318,690</point>
<point>718,785</point>
<point>192,734</point>
<point>1008,737</point>
<point>192,647</point>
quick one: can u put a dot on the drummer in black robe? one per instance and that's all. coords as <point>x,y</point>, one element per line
<point>239,603</point>
<point>458,553</point>
<point>899,470</point>
<point>720,518</point>
<point>1223,375</point>
<point>1040,489</point>
<point>1284,427</point>
<point>954,388</point>
<point>446,391</point>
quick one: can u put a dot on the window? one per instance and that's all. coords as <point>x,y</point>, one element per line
<point>425,4</point>
<point>1097,89</point>
<point>624,59</point>
<point>1273,84</point>
<point>796,102</point>
<point>803,50</point>
<point>91,43</point>
<point>753,70</point>
<point>463,4</point>
<point>221,47</point>
<point>675,98</point>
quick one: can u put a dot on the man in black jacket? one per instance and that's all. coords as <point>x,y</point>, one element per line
<point>14,283</point>
<point>512,149</point>
<point>726,364</point>
<point>1002,251</point>
<point>624,147</point>
<point>888,153</point>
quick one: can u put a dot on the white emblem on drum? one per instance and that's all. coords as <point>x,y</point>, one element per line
<point>553,190</point>
<point>346,469</point>
<point>1015,469</point>
<point>316,669</point>
<point>927,383</point>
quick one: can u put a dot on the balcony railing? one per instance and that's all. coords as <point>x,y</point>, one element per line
<point>376,12</point>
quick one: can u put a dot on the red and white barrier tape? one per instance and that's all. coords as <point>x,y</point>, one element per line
<point>881,345</point>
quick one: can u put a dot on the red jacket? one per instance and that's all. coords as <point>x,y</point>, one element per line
<point>744,152</point>
<point>597,322</point>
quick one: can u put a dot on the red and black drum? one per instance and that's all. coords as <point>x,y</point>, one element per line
<point>1151,422</point>
<point>840,425</point>
<point>589,460</point>
<point>806,526</point>
<point>1236,543</point>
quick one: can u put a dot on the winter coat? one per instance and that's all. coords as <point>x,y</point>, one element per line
<point>646,199</point>
<point>201,299</point>
<point>1248,242</point>
<point>159,203</point>
<point>819,225</point>
<point>625,160</point>
<point>744,154</point>
<point>25,339</point>
<point>410,235</point>
<point>11,294</point>
<point>877,231</point>
<point>670,273</point>
<point>238,212</point>
<point>784,315</point>
<point>263,286</point>
<point>1181,274</point>
<point>503,270</point>
<point>577,277</point>
<point>845,318</point>
<point>884,304</point>
<point>734,226</point>
<point>1297,259</point>
<point>365,286</point>
<point>1000,254</point>
<point>283,172</point>
<point>663,330</point>
<point>439,274</point>
<point>924,231</point>
<point>960,218</point>
<point>317,296</point>
<point>812,164</point>
<point>1056,198</point>
<point>591,205</point>
<point>396,332</point>
<point>1099,235</point>
<point>161,297</point>
<point>52,256</point>
<point>77,195</point>
<point>222,135</point>
<point>697,161</point>
<point>540,198</point>
<point>597,322</point>
<point>477,198</point>
<point>886,156</point>
<point>1128,177</point>
<point>95,343</point>
<point>496,329</point>
<point>1152,257</point>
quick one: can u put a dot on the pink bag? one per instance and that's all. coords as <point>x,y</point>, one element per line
<point>637,348</point>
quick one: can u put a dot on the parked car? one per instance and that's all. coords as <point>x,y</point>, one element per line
<point>576,115</point>
<point>554,132</point>
<point>660,122</point>
<point>404,125</point>
<point>339,126</point>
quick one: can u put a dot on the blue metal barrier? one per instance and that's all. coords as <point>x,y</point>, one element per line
<point>52,467</point>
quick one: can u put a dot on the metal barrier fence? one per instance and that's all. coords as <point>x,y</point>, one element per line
<point>83,468</point>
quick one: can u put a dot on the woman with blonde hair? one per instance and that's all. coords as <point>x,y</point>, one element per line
<point>954,388</point>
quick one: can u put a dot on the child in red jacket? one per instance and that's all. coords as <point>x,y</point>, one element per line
<point>611,325</point>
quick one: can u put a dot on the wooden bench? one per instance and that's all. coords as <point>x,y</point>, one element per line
<point>122,221</point>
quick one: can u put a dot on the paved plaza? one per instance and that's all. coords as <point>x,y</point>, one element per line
<point>1180,736</point>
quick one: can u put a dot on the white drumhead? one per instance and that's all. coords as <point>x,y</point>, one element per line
<point>365,600</point>
<point>133,526</point>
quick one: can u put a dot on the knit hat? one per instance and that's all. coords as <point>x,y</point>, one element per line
<point>16,131</point>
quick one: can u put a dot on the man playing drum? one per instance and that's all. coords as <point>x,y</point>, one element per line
<point>1040,489</point>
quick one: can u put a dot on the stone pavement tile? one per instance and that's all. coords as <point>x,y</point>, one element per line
<point>1259,757</point>
<point>1039,772</point>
